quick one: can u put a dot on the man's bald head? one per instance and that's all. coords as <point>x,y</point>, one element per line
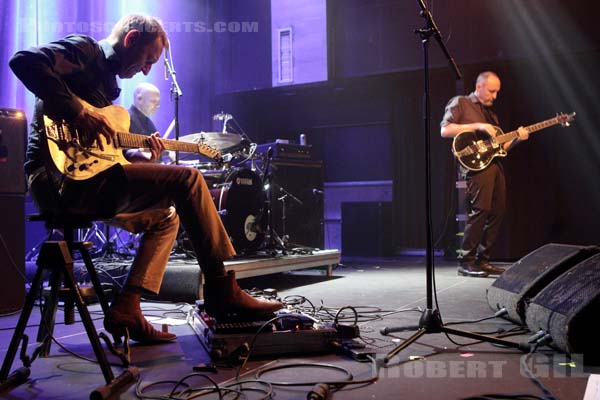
<point>487,87</point>
<point>146,97</point>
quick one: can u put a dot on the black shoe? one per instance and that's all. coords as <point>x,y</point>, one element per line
<point>471,270</point>
<point>490,269</point>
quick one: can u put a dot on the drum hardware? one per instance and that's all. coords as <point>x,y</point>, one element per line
<point>238,196</point>
<point>221,117</point>
<point>183,245</point>
<point>217,140</point>
<point>117,246</point>
<point>273,243</point>
<point>237,191</point>
<point>238,130</point>
<point>283,198</point>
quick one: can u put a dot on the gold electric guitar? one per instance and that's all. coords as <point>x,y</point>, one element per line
<point>79,162</point>
<point>476,150</point>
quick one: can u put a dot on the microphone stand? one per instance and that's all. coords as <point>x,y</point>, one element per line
<point>431,320</point>
<point>284,195</point>
<point>175,94</point>
<point>272,239</point>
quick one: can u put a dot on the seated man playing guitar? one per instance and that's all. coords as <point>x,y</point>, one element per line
<point>486,189</point>
<point>74,80</point>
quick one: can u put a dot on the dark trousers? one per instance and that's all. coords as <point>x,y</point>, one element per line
<point>486,204</point>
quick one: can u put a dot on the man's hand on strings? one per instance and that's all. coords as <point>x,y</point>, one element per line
<point>92,126</point>
<point>523,133</point>
<point>156,146</point>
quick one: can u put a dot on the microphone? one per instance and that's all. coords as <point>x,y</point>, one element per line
<point>166,65</point>
<point>316,191</point>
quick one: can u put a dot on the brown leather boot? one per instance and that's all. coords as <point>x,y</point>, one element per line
<point>490,269</point>
<point>125,312</point>
<point>225,300</point>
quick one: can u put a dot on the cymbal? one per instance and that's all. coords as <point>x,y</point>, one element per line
<point>217,140</point>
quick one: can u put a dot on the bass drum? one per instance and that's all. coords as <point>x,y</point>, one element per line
<point>240,201</point>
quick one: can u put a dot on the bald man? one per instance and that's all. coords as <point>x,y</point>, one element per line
<point>146,100</point>
<point>486,189</point>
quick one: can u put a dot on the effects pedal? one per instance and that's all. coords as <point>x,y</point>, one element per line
<point>287,334</point>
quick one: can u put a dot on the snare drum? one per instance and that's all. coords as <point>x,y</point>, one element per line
<point>239,199</point>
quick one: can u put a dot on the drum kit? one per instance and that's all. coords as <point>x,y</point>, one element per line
<point>237,187</point>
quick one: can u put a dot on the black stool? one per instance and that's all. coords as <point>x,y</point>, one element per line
<point>57,258</point>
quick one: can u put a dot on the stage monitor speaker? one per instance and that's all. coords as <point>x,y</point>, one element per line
<point>304,216</point>
<point>181,283</point>
<point>13,137</point>
<point>12,253</point>
<point>567,309</point>
<point>528,276</point>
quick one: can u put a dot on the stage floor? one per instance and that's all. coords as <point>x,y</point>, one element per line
<point>384,292</point>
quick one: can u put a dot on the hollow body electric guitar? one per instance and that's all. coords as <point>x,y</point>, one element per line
<point>76,160</point>
<point>475,150</point>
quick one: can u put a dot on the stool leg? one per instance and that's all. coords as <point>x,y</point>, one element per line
<point>89,265</point>
<point>71,283</point>
<point>21,325</point>
<point>48,318</point>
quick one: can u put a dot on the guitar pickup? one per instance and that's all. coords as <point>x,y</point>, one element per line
<point>481,146</point>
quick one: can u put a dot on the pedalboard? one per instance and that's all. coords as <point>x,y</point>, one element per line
<point>288,333</point>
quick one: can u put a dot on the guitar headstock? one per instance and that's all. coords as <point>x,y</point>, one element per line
<point>209,152</point>
<point>565,119</point>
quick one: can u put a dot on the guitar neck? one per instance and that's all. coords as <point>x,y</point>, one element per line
<point>531,128</point>
<point>135,140</point>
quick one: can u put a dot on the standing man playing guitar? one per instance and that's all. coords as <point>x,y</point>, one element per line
<point>486,189</point>
<point>74,79</point>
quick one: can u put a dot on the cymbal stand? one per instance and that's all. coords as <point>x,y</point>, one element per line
<point>94,235</point>
<point>117,247</point>
<point>283,198</point>
<point>285,238</point>
<point>431,319</point>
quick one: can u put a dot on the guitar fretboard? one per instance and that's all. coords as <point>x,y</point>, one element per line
<point>134,140</point>
<point>533,128</point>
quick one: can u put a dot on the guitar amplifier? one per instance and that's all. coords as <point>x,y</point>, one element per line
<point>286,150</point>
<point>13,139</point>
